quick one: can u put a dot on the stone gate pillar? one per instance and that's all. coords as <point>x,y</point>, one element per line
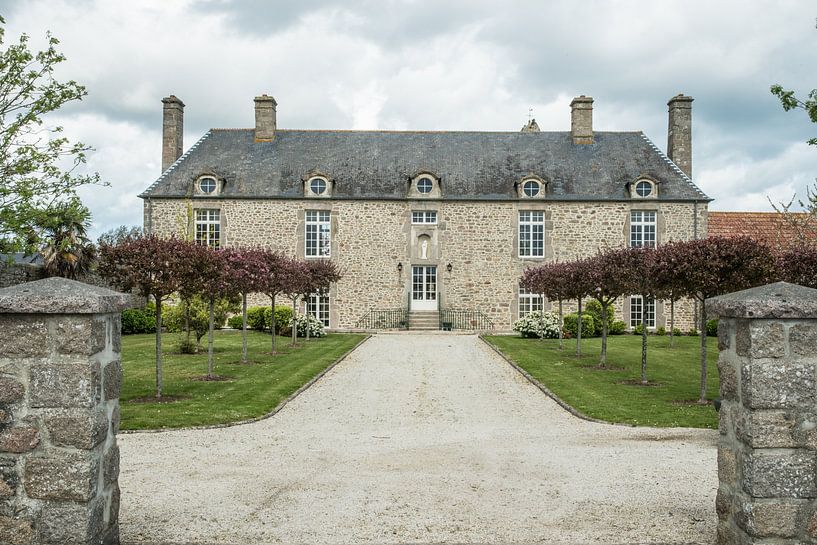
<point>767,452</point>
<point>60,376</point>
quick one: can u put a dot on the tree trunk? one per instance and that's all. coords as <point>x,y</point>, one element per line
<point>603,359</point>
<point>643,340</point>
<point>158,347</point>
<point>671,322</point>
<point>243,328</point>
<point>187,325</point>
<point>210,338</point>
<point>272,322</point>
<point>702,334</point>
<point>561,327</point>
<point>579,331</point>
<point>294,321</point>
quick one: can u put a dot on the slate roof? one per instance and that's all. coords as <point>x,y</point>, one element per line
<point>769,228</point>
<point>379,164</point>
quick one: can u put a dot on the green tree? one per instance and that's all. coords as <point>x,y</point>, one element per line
<point>802,225</point>
<point>33,178</point>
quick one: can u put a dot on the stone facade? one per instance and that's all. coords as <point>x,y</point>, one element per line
<point>767,452</point>
<point>479,239</point>
<point>60,375</point>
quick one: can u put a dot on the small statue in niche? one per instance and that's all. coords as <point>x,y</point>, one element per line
<point>424,249</point>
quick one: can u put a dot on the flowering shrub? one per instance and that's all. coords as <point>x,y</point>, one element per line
<point>538,324</point>
<point>315,326</point>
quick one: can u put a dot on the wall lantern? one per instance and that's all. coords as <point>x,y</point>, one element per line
<point>400,266</point>
<point>448,267</point>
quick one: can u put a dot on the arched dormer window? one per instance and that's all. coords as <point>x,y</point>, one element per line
<point>424,185</point>
<point>207,185</point>
<point>317,184</point>
<point>643,188</point>
<point>531,187</point>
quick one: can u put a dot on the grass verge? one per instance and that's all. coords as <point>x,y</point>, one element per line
<point>606,394</point>
<point>248,391</point>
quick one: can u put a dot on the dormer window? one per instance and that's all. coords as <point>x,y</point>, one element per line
<point>530,187</point>
<point>207,185</point>
<point>425,185</point>
<point>317,184</point>
<point>643,188</point>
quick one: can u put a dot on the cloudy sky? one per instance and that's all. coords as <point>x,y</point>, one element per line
<point>437,65</point>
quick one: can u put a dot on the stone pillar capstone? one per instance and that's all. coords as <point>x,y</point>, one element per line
<point>60,376</point>
<point>767,450</point>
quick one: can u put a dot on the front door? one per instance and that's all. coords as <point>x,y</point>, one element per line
<point>423,287</point>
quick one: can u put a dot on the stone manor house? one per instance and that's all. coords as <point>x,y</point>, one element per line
<point>423,222</point>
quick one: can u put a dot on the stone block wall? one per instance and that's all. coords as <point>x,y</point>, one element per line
<point>60,376</point>
<point>767,452</point>
<point>479,239</point>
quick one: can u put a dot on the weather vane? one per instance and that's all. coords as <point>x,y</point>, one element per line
<point>530,114</point>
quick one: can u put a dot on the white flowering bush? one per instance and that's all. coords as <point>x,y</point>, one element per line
<point>538,324</point>
<point>308,321</point>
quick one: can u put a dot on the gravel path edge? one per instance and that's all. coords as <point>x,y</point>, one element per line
<point>273,412</point>
<point>548,392</point>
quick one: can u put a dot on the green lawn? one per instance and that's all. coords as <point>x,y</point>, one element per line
<point>252,390</point>
<point>601,394</point>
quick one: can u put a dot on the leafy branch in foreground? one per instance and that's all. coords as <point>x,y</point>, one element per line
<point>38,164</point>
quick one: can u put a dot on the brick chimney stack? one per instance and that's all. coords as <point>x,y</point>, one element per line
<point>581,120</point>
<point>172,130</point>
<point>265,118</point>
<point>679,133</point>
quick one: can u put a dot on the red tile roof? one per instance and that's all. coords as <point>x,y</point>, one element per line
<point>771,228</point>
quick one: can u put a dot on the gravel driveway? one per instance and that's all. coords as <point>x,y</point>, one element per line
<point>420,439</point>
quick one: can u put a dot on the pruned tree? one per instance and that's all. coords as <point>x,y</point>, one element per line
<point>607,275</point>
<point>670,280</point>
<point>216,283</point>
<point>717,265</point>
<point>637,272</point>
<point>38,165</point>
<point>247,269</point>
<point>552,281</point>
<point>296,282</point>
<point>271,284</point>
<point>798,265</point>
<point>579,285</point>
<point>150,266</point>
<point>321,274</point>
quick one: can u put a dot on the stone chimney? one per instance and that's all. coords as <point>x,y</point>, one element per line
<point>679,133</point>
<point>265,118</point>
<point>172,130</point>
<point>581,120</point>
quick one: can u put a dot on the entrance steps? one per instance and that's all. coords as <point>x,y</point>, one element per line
<point>424,320</point>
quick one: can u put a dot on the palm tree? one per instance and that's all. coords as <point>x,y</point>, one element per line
<point>67,251</point>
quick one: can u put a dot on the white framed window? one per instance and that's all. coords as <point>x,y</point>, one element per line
<point>424,217</point>
<point>425,185</point>
<point>318,306</point>
<point>318,233</point>
<point>639,311</point>
<point>317,186</point>
<point>642,228</point>
<point>531,234</point>
<point>529,301</point>
<point>208,227</point>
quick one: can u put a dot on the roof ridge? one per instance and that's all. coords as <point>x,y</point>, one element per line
<point>674,167</point>
<point>238,129</point>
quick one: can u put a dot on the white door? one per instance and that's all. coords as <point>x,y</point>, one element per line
<point>423,287</point>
